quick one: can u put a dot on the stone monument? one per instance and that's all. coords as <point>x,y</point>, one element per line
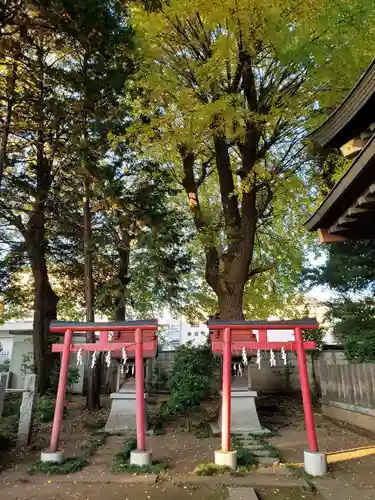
<point>122,416</point>
<point>244,416</point>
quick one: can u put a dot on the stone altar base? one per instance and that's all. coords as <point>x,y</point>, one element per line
<point>122,416</point>
<point>244,416</point>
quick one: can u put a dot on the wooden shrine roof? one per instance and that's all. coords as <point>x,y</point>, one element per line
<point>348,211</point>
<point>352,116</point>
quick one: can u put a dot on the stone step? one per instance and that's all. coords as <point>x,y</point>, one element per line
<point>252,446</point>
<point>242,494</point>
<point>261,453</point>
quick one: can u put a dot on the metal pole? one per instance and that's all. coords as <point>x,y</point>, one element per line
<point>306,394</point>
<point>60,398</point>
<point>139,388</point>
<point>225,398</point>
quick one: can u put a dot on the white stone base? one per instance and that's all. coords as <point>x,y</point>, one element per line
<point>226,458</point>
<point>315,463</point>
<point>140,458</point>
<point>122,416</point>
<point>244,416</point>
<point>52,456</point>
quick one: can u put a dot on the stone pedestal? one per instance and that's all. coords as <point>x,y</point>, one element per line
<point>244,416</point>
<point>122,416</point>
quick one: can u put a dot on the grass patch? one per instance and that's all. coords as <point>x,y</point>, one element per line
<point>118,465</point>
<point>265,435</point>
<point>94,442</point>
<point>68,466</point>
<point>245,458</point>
<point>210,469</point>
<point>121,461</point>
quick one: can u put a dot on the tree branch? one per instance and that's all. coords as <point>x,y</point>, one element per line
<point>261,269</point>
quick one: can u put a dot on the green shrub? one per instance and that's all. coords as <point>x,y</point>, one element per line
<point>4,366</point>
<point>44,409</point>
<point>190,380</point>
<point>8,431</point>
<point>68,466</point>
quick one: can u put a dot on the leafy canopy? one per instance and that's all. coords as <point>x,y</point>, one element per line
<point>233,87</point>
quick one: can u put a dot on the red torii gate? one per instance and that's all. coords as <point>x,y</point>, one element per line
<point>230,337</point>
<point>138,337</point>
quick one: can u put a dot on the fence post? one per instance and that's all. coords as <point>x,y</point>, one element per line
<point>3,386</point>
<point>26,410</point>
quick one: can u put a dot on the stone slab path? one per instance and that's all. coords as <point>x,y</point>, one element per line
<point>332,489</point>
<point>242,494</point>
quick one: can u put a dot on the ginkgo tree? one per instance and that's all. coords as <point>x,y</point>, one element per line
<point>226,93</point>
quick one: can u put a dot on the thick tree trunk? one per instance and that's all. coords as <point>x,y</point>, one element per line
<point>231,303</point>
<point>45,300</point>
<point>45,310</point>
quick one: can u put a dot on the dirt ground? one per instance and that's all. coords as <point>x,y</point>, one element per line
<point>183,451</point>
<point>285,415</point>
<point>65,491</point>
<point>137,492</point>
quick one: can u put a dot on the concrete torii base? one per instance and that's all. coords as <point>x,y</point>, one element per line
<point>52,456</point>
<point>122,416</point>
<point>140,458</point>
<point>315,463</point>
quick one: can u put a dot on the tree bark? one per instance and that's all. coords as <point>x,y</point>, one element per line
<point>124,256</point>
<point>11,85</point>
<point>45,300</point>
<point>231,303</point>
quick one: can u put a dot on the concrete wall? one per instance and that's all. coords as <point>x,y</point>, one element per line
<point>23,345</point>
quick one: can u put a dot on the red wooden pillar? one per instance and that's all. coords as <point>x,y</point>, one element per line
<point>139,388</point>
<point>60,398</point>
<point>226,393</point>
<point>306,394</point>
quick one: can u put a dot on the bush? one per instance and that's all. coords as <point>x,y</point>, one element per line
<point>8,431</point>
<point>73,377</point>
<point>190,380</point>
<point>44,409</point>
<point>4,366</point>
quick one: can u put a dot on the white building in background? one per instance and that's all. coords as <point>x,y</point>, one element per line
<point>178,331</point>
